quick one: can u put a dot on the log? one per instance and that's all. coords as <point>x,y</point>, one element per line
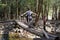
<point>31,30</point>
<point>22,24</point>
<point>46,35</point>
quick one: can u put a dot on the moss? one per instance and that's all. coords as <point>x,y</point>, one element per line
<point>15,36</point>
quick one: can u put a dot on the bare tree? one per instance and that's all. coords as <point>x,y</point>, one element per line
<point>38,10</point>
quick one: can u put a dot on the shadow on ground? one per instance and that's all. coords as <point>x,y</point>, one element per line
<point>37,39</point>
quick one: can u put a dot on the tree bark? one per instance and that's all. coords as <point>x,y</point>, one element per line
<point>9,12</point>
<point>17,8</point>
<point>56,12</point>
<point>38,10</point>
<point>5,11</point>
<point>59,14</point>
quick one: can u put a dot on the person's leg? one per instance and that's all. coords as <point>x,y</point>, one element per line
<point>30,23</point>
<point>30,20</point>
<point>27,18</point>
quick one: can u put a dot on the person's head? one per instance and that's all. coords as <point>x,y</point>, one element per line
<point>28,9</point>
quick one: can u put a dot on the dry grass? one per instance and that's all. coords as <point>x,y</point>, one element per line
<point>15,36</point>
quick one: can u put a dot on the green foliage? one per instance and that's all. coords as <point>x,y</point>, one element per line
<point>12,5</point>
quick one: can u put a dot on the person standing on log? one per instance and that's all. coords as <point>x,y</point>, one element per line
<point>28,14</point>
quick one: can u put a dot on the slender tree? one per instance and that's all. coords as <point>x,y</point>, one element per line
<point>38,10</point>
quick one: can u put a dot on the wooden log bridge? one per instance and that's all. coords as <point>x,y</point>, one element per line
<point>31,30</point>
<point>34,31</point>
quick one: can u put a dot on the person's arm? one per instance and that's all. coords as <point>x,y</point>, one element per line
<point>33,13</point>
<point>23,14</point>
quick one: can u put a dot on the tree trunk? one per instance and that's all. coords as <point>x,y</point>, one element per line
<point>56,12</point>
<point>5,11</point>
<point>10,9</point>
<point>47,11</point>
<point>38,10</point>
<point>45,15</point>
<point>17,8</point>
<point>53,13</point>
<point>9,12</point>
<point>59,14</point>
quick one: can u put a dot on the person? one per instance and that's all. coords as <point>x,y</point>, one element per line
<point>28,14</point>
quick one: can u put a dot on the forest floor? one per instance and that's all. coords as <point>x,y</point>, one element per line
<point>15,36</point>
